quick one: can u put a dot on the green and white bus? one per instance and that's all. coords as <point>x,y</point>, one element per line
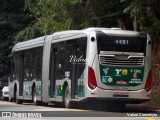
<point>100,64</point>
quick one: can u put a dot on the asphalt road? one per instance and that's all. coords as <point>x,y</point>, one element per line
<point>11,110</point>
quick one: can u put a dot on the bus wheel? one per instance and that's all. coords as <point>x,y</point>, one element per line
<point>34,98</point>
<point>66,98</point>
<point>18,101</point>
<point>10,99</point>
<point>2,98</point>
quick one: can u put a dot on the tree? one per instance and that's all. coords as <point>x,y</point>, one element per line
<point>147,13</point>
<point>13,19</point>
<point>56,15</point>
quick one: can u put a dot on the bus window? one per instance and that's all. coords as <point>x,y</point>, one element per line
<point>121,43</point>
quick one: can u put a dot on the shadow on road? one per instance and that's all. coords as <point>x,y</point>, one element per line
<point>111,108</point>
<point>104,108</point>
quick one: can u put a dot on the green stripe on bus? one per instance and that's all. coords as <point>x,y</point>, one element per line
<point>60,90</point>
<point>38,90</point>
<point>81,92</point>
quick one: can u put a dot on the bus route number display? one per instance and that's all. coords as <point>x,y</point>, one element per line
<point>121,42</point>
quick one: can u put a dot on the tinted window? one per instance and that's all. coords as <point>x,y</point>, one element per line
<point>33,63</point>
<point>66,50</point>
<point>16,67</point>
<point>121,43</point>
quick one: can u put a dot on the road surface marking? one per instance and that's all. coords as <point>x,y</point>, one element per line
<point>4,102</point>
<point>150,119</point>
<point>77,110</point>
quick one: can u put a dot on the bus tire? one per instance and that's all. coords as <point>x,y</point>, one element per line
<point>66,98</point>
<point>59,104</point>
<point>10,99</point>
<point>18,101</point>
<point>34,98</point>
<point>2,98</point>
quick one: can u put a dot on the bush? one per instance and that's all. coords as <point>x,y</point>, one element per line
<point>155,96</point>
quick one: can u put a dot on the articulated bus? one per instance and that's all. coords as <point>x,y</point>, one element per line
<point>99,64</point>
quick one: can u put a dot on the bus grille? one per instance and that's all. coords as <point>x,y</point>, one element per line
<point>118,61</point>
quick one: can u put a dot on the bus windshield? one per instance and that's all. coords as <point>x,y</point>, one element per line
<point>121,43</point>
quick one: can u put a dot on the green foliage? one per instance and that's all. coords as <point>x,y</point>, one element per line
<point>56,15</point>
<point>136,7</point>
<point>13,19</point>
<point>26,34</point>
<point>22,20</point>
<point>155,95</point>
<point>147,13</point>
<point>7,26</point>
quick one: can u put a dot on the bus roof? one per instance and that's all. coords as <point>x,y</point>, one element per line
<point>113,31</point>
<point>69,33</point>
<point>29,44</point>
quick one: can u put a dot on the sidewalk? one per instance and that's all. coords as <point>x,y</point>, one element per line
<point>145,106</point>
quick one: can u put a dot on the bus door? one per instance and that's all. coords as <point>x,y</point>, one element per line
<point>74,80</point>
<point>52,73</point>
<point>21,75</point>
